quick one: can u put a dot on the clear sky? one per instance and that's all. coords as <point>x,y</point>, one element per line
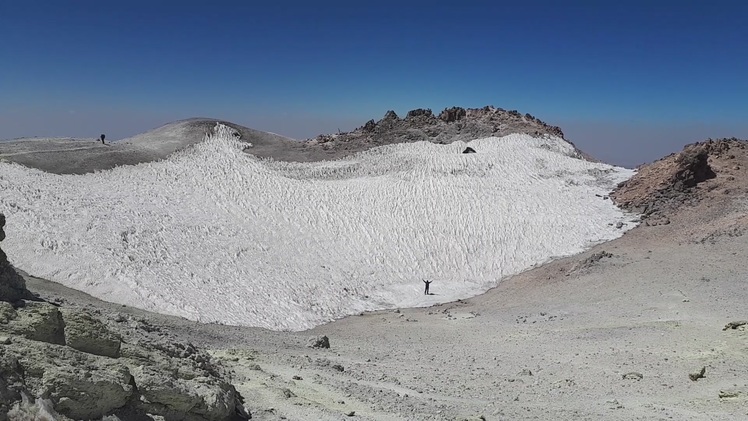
<point>627,81</point>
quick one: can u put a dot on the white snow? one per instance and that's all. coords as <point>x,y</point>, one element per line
<point>216,235</point>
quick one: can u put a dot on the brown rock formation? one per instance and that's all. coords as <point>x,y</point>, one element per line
<point>709,170</point>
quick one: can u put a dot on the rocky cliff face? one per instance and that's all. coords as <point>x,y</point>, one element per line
<point>84,363</point>
<point>452,124</point>
<point>705,170</point>
<point>12,286</point>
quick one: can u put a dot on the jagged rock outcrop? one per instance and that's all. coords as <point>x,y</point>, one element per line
<point>12,286</point>
<point>369,126</point>
<point>423,114</point>
<point>453,114</point>
<point>390,116</point>
<point>452,124</point>
<point>672,181</point>
<point>87,364</point>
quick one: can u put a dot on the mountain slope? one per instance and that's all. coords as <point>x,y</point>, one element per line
<point>214,234</point>
<point>454,124</point>
<point>81,156</point>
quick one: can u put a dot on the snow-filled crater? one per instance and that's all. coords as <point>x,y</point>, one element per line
<point>216,235</point>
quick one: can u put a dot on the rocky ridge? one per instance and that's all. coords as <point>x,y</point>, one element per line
<point>450,125</point>
<point>711,170</point>
<point>74,362</point>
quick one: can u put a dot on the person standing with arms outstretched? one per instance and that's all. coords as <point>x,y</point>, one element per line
<point>426,290</point>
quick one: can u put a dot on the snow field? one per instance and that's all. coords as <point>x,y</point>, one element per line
<point>216,235</point>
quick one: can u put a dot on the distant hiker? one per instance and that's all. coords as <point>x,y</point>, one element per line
<point>426,290</point>
<point>102,139</point>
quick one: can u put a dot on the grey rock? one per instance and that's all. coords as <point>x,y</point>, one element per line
<point>287,393</point>
<point>39,322</point>
<point>589,262</point>
<point>151,376</point>
<point>86,393</point>
<point>453,114</point>
<point>369,126</point>
<point>732,393</point>
<point>420,113</point>
<point>633,376</point>
<point>390,115</point>
<point>319,342</point>
<point>86,386</point>
<point>693,168</point>
<point>696,375</point>
<point>79,385</point>
<point>7,312</point>
<point>88,334</point>
<point>12,286</point>
<point>735,324</point>
<point>11,382</point>
<point>173,396</point>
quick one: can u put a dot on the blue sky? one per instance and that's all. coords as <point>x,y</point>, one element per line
<point>628,82</point>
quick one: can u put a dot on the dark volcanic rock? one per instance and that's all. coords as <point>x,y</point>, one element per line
<point>450,115</point>
<point>319,342</point>
<point>390,115</point>
<point>12,286</point>
<point>452,124</point>
<point>369,126</point>
<point>419,112</point>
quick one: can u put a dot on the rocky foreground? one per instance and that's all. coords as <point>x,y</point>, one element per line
<point>83,363</point>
